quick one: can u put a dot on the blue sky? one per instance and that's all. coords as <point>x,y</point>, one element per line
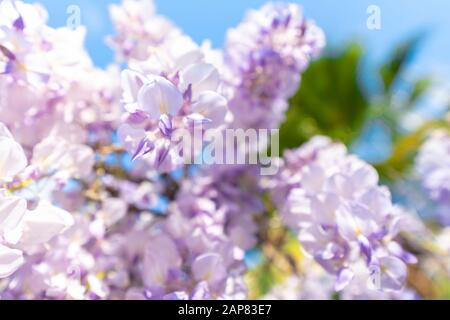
<point>342,20</point>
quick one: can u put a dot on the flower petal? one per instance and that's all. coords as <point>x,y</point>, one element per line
<point>12,156</point>
<point>202,76</point>
<point>344,277</point>
<point>158,97</point>
<point>43,223</point>
<point>10,261</point>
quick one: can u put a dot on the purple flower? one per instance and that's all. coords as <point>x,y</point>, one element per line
<point>266,54</point>
<point>341,213</point>
<point>161,114</point>
<point>433,167</point>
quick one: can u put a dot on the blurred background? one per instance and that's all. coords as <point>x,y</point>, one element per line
<point>378,91</point>
<point>342,21</point>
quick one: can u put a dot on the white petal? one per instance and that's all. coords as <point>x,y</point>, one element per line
<point>4,132</point>
<point>312,178</point>
<point>161,256</point>
<point>211,105</point>
<point>130,137</point>
<point>10,261</point>
<point>347,225</point>
<point>160,97</point>
<point>12,157</point>
<point>202,76</point>
<point>43,223</point>
<point>113,209</point>
<point>131,82</point>
<point>209,267</point>
<point>12,210</point>
<point>69,159</point>
<point>393,273</point>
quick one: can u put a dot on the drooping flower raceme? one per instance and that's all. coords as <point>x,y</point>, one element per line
<point>37,64</point>
<point>198,251</point>
<point>168,91</point>
<point>139,29</point>
<point>317,284</point>
<point>433,166</point>
<point>191,257</point>
<point>236,191</point>
<point>258,71</point>
<point>22,229</point>
<point>265,56</point>
<point>162,110</point>
<point>342,215</point>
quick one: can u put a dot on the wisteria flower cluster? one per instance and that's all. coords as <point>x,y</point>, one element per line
<point>24,227</point>
<point>342,214</point>
<point>101,199</point>
<point>433,166</point>
<point>266,54</point>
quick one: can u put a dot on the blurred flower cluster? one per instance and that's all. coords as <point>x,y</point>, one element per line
<point>98,200</point>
